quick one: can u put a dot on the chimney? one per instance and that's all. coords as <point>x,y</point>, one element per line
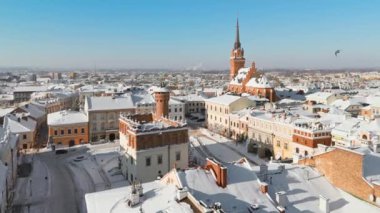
<point>281,198</point>
<point>324,204</point>
<point>181,194</point>
<point>219,170</point>
<point>264,187</point>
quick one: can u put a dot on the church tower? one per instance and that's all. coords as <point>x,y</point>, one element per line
<point>237,59</point>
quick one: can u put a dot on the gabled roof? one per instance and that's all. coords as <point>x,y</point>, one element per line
<point>224,99</point>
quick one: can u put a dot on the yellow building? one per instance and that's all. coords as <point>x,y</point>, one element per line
<point>219,110</point>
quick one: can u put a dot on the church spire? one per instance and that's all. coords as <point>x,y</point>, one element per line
<point>237,39</point>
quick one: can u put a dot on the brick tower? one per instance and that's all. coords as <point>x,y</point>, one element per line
<point>162,96</point>
<point>237,59</point>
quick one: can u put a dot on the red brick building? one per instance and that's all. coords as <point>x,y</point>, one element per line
<point>152,143</point>
<point>244,80</point>
<point>354,171</point>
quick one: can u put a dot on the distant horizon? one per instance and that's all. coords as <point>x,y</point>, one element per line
<point>57,69</point>
<point>290,34</point>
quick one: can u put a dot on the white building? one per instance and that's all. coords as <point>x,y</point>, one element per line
<point>176,110</point>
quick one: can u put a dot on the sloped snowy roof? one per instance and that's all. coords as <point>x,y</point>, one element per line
<point>157,198</point>
<point>126,101</point>
<point>66,117</point>
<point>224,99</point>
<point>242,188</point>
<point>261,82</point>
<point>240,76</point>
<point>17,124</point>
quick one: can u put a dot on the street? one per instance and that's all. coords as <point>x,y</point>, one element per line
<point>57,183</point>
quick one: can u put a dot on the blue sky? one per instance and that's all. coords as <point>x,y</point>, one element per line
<point>182,34</point>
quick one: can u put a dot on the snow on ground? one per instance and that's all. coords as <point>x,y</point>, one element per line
<point>303,185</point>
<point>32,191</point>
<point>221,152</point>
<point>241,148</point>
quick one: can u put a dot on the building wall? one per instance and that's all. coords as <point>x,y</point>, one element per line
<point>26,139</point>
<point>104,123</point>
<point>145,173</point>
<point>66,138</point>
<point>282,140</point>
<point>343,169</point>
<point>177,112</point>
<point>218,116</point>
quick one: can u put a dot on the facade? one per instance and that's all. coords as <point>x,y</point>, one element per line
<point>68,128</point>
<point>152,144</point>
<point>8,157</point>
<point>176,110</point>
<point>24,126</point>
<point>193,104</point>
<point>103,112</point>
<point>55,101</point>
<point>307,135</point>
<point>218,110</point>
<point>24,93</point>
<point>246,80</point>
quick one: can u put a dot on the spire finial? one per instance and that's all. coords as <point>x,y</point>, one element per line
<point>237,44</point>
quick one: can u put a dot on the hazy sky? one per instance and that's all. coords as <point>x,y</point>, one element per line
<point>182,34</point>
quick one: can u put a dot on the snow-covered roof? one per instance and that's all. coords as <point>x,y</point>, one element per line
<point>33,110</point>
<point>128,100</point>
<point>157,198</point>
<point>161,89</point>
<point>224,99</point>
<point>304,185</point>
<point>242,188</point>
<point>240,76</point>
<point>188,98</point>
<point>319,96</point>
<point>66,117</point>
<point>5,111</point>
<point>30,88</point>
<point>261,82</point>
<point>19,123</point>
<point>175,102</point>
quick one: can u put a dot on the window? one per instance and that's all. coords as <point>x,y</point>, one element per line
<point>76,131</point>
<point>69,131</point>
<point>180,109</point>
<point>285,145</point>
<point>297,150</point>
<point>175,109</point>
<point>147,161</point>
<point>132,160</point>
<point>159,159</point>
<point>82,130</point>
<point>278,144</point>
<point>62,132</point>
<point>178,156</point>
<point>55,132</point>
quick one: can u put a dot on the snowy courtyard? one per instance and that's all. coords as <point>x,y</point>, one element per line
<point>58,182</point>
